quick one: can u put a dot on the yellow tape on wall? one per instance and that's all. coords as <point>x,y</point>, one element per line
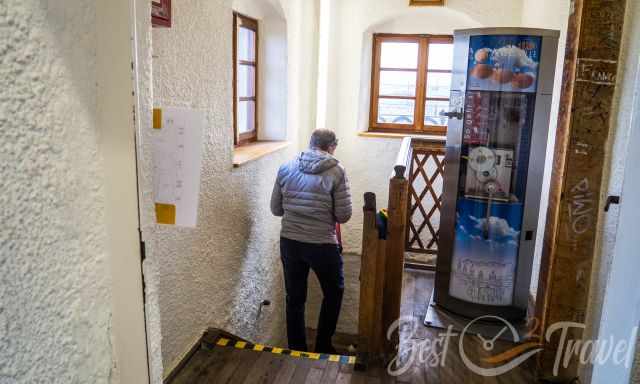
<point>165,213</point>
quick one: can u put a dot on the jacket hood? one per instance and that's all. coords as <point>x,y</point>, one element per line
<point>314,161</point>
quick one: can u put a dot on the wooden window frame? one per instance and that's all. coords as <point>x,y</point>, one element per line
<point>420,98</point>
<point>161,13</point>
<point>252,24</point>
<point>423,3</point>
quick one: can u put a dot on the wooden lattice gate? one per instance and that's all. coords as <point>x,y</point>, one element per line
<point>425,195</point>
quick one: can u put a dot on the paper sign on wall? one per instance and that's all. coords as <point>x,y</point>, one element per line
<point>177,160</point>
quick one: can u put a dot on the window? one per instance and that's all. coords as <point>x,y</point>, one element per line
<point>410,83</point>
<point>161,13</point>
<point>245,79</point>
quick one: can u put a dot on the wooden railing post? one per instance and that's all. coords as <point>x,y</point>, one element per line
<point>395,247</point>
<point>371,286</point>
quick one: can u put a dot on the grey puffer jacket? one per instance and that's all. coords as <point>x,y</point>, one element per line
<point>311,194</point>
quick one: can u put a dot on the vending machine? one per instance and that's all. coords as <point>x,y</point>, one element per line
<point>496,144</point>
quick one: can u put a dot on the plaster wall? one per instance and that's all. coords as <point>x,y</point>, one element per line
<point>55,286</point>
<point>214,275</point>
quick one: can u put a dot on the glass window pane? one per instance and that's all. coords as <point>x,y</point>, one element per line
<point>246,81</point>
<point>246,116</point>
<point>440,56</point>
<point>246,44</point>
<point>399,55</point>
<point>432,111</point>
<point>395,111</point>
<point>397,83</point>
<point>438,84</point>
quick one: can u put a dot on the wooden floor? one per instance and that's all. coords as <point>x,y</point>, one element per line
<point>231,365</point>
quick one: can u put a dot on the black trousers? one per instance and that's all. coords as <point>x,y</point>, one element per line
<point>326,262</point>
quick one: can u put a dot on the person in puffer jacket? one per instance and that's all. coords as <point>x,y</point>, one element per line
<point>311,193</point>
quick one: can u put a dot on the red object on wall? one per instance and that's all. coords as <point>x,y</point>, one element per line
<point>161,13</point>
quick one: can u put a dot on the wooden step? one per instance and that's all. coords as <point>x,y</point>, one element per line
<point>226,342</point>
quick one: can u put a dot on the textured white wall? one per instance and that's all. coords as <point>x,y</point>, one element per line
<point>55,295</point>
<point>218,273</point>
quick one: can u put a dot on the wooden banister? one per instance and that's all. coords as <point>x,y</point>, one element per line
<point>382,266</point>
<point>403,159</point>
<point>395,247</point>
<point>371,285</point>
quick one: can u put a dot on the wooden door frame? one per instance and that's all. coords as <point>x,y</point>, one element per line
<point>584,122</point>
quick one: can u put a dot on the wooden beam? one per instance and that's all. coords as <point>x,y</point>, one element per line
<point>584,122</point>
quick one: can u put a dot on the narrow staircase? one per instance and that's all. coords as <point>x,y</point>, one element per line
<point>225,358</point>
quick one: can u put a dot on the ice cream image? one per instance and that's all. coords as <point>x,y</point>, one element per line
<point>511,56</point>
<point>522,80</point>
<point>503,63</point>
<point>502,75</point>
<point>482,71</point>
<point>482,55</point>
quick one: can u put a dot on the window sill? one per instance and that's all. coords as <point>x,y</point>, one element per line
<point>253,151</point>
<point>388,135</point>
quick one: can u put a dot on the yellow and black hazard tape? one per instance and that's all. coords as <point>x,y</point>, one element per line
<point>225,342</point>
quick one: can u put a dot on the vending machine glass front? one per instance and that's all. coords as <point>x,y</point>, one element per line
<point>496,135</point>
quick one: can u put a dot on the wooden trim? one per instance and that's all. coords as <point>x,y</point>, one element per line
<point>594,33</point>
<point>247,137</point>
<point>437,130</point>
<point>440,39</point>
<point>235,79</point>
<point>396,97</point>
<point>173,373</point>
<point>400,37</point>
<point>161,13</point>
<point>423,3</point>
<point>255,150</point>
<point>421,86</point>
<point>422,71</point>
<point>249,23</point>
<point>396,135</point>
<point>391,69</point>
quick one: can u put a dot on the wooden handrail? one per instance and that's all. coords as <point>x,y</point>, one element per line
<point>403,159</point>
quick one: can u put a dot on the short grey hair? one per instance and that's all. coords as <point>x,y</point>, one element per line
<point>323,139</point>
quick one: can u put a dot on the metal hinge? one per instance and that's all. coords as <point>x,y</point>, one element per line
<point>611,200</point>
